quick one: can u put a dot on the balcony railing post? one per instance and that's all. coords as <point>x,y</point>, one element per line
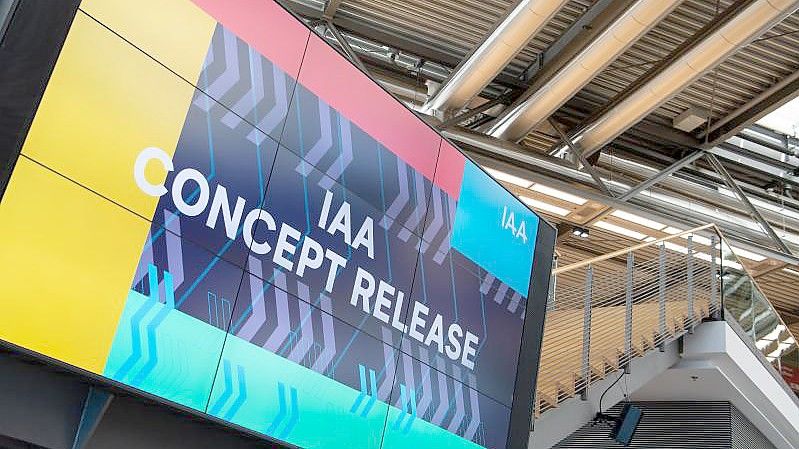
<point>586,373</point>
<point>662,297</point>
<point>552,285</point>
<point>715,300</point>
<point>752,309</point>
<point>690,283</point>
<point>628,321</point>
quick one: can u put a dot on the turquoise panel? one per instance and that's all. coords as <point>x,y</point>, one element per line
<point>494,229</point>
<point>165,352</point>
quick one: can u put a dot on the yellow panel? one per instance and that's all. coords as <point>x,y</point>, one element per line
<point>66,266</point>
<point>105,102</point>
<point>171,31</point>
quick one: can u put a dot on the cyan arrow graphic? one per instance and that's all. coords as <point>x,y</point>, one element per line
<point>294,417</point>
<point>404,402</point>
<point>364,393</point>
<point>281,414</point>
<point>242,395</point>
<point>135,325</point>
<point>226,393</point>
<point>373,397</point>
<point>412,403</point>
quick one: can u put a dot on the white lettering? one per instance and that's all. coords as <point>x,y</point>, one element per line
<point>382,302</point>
<point>417,320</point>
<point>361,291</point>
<point>395,320</point>
<point>249,230</point>
<point>342,222</point>
<point>436,333</point>
<point>454,334</point>
<point>283,246</point>
<point>232,220</point>
<point>365,238</point>
<point>469,350</point>
<point>140,166</point>
<point>183,176</point>
<point>311,255</point>
<point>325,209</point>
<point>336,262</point>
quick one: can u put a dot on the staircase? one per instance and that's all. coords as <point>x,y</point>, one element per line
<point>603,312</point>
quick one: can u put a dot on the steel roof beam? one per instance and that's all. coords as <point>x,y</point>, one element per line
<point>543,100</point>
<point>651,181</point>
<point>331,7</point>
<point>589,167</point>
<point>484,63</point>
<point>744,199</point>
<point>460,118</point>
<point>514,159</point>
<point>736,27</point>
<point>345,46</point>
<point>771,99</point>
<point>659,176</point>
<point>396,41</point>
<point>590,24</point>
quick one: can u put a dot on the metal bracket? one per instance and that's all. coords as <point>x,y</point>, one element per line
<point>94,408</point>
<point>728,179</point>
<point>583,160</point>
<point>345,46</point>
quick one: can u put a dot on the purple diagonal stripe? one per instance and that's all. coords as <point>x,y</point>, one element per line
<point>272,119</point>
<point>145,260</point>
<point>427,387</point>
<point>258,316</point>
<point>474,401</point>
<point>209,57</point>
<point>325,141</point>
<point>254,95</point>
<point>343,161</point>
<point>220,86</point>
<point>488,281</point>
<point>407,365</point>
<point>443,395</point>
<point>514,302</point>
<point>384,392</point>
<point>402,198</point>
<point>436,224</point>
<point>174,248</point>
<point>283,328</point>
<point>460,410</point>
<point>444,248</point>
<point>329,352</point>
<point>501,291</point>
<point>306,325</point>
<point>418,210</point>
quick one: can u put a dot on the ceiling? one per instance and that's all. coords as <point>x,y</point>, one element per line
<point>413,47</point>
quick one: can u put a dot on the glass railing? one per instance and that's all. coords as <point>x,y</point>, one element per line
<point>746,305</point>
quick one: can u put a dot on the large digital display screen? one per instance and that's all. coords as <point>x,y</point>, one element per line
<point>213,206</point>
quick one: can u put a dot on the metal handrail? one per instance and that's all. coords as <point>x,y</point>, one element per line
<point>624,251</point>
<point>604,316</point>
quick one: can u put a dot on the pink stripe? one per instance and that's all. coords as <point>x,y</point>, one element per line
<point>337,82</point>
<point>264,25</point>
<point>449,170</point>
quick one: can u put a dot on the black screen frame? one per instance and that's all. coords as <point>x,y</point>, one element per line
<point>30,47</point>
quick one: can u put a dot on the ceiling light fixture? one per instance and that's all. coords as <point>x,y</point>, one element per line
<point>580,232</point>
<point>620,230</point>
<point>507,177</point>
<point>546,207</point>
<point>559,194</point>
<point>637,219</point>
